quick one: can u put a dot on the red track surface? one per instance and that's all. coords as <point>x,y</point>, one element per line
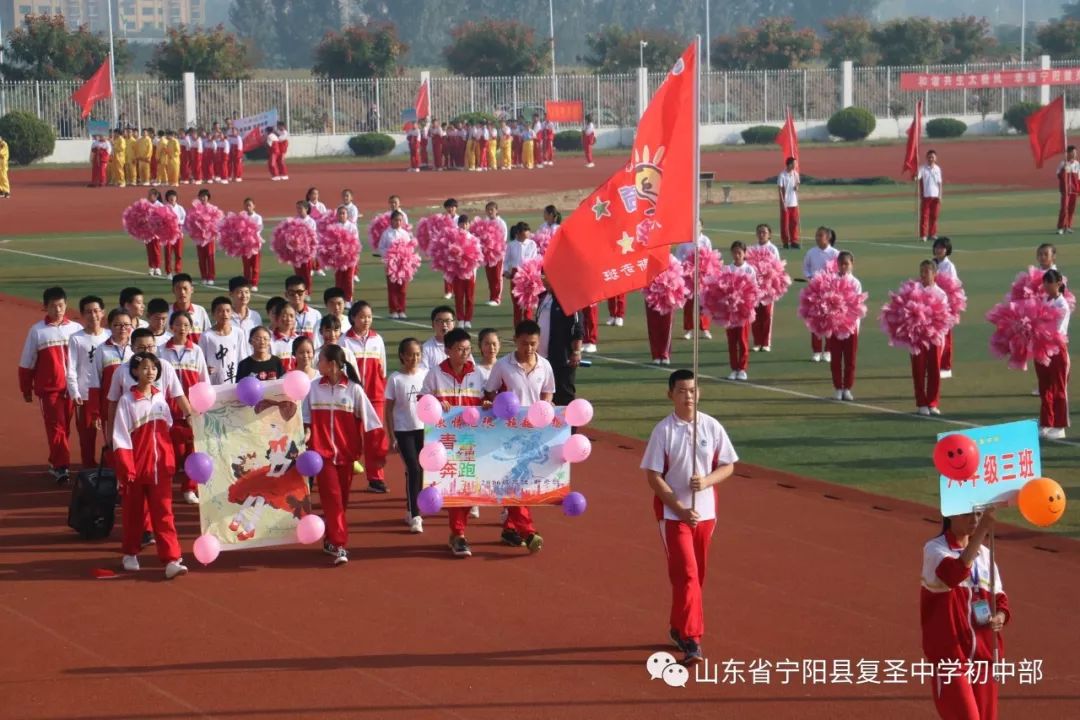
<point>799,570</point>
<point>40,192</point>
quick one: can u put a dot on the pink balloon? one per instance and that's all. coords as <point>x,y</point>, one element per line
<point>471,416</point>
<point>432,457</point>
<point>310,529</point>
<point>202,395</point>
<point>429,410</point>
<point>579,412</point>
<point>540,414</point>
<point>206,548</point>
<point>296,384</point>
<point>576,449</point>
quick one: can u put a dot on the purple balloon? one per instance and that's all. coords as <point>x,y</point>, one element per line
<point>199,467</point>
<point>249,391</point>
<point>574,504</point>
<point>309,463</point>
<point>506,405</point>
<point>430,500</point>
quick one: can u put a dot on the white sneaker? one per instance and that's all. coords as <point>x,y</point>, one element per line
<point>706,334</point>
<point>461,324</point>
<point>935,411</point>
<point>848,396</point>
<point>416,525</point>
<point>447,296</point>
<point>665,361</point>
<point>766,348</point>
<point>151,272</point>
<point>474,512</point>
<point>657,361</point>
<point>191,498</point>
<point>611,321</point>
<point>1035,392</point>
<point>1055,434</point>
<point>493,303</point>
<point>925,411</point>
<point>733,376</point>
<point>131,563</point>
<point>176,567</point>
<point>356,278</point>
<point>816,357</point>
<point>618,322</point>
<point>402,316</point>
<point>468,324</point>
<point>210,283</point>
<point>1061,231</point>
<point>254,288</point>
<point>923,238</point>
<point>945,374</point>
<point>742,375</point>
<point>321,272</point>
<point>826,357</point>
<point>688,336</point>
<point>838,395</point>
<point>756,348</point>
<point>284,177</point>
<point>589,347</point>
<point>590,165</point>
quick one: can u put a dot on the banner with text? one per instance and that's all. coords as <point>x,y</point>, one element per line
<point>989,79</point>
<point>252,127</point>
<point>1009,457</point>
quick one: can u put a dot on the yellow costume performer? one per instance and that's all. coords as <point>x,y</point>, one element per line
<point>162,165</point>
<point>5,153</point>
<point>144,149</point>
<point>172,159</point>
<point>117,161</point>
<point>131,166</point>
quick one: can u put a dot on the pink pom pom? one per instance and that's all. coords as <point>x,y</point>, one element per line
<point>431,226</point>
<point>542,238</point>
<point>831,305</point>
<point>711,264</point>
<point>149,223</point>
<point>1028,285</point>
<point>401,261</point>
<point>456,254</point>
<point>730,296</point>
<point>135,221</point>
<point>492,239</point>
<point>240,235</point>
<point>339,247</point>
<point>528,283</point>
<point>164,224</point>
<point>916,317</point>
<point>294,242</point>
<point>1025,330</point>
<point>669,290</point>
<point>772,278</point>
<point>954,292</point>
<point>378,226</point>
<point>202,224</point>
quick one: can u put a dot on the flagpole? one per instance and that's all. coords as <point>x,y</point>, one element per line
<point>697,260</point>
<point>112,68</point>
<point>918,187</point>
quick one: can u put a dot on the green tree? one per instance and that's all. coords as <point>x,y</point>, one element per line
<point>253,21</point>
<point>966,39</point>
<point>494,47</point>
<point>614,50</point>
<point>373,51</point>
<point>772,44</point>
<point>849,38</point>
<point>910,41</point>
<point>43,48</point>
<point>299,25</point>
<point>211,54</point>
<point>1060,39</point>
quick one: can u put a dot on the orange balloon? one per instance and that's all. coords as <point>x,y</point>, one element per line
<point>1042,502</point>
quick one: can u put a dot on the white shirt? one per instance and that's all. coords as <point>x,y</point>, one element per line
<point>517,252</point>
<point>1069,166</point>
<point>789,183</point>
<point>389,236</point>
<point>403,390</point>
<point>931,181</point>
<point>200,319</point>
<point>937,549</point>
<point>236,140</point>
<point>186,358</point>
<point>668,445</point>
<point>223,354</point>
<point>945,267</point>
<point>773,250</point>
<point>257,218</point>
<point>319,207</point>
<point>80,366</point>
<point>168,383</point>
<point>528,386</point>
<point>858,290</point>
<point>590,129</point>
<point>162,339</point>
<point>485,372</point>
<point>307,323</point>
<point>817,259</point>
<point>248,323</point>
<point>179,212</point>
<point>432,352</point>
<point>684,250</point>
<point>746,269</point>
<point>352,213</point>
<point>1062,305</point>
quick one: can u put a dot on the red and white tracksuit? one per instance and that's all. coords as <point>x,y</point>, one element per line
<point>929,200</point>
<point>81,350</point>
<point>43,371</point>
<point>817,260</point>
<point>659,328</point>
<point>221,159</point>
<point>337,414</point>
<point>437,140</point>
<point>788,183</point>
<point>495,281</point>
<point>281,347</point>
<point>207,267</point>
<point>951,633</point>
<point>617,306</point>
<point>1054,378</point>
<point>412,137</point>
<point>588,139</point>
<point>1068,175</point>
<point>761,328</point>
<point>395,293</point>
<point>926,374</point>
<point>464,297</point>
<point>145,465</point>
<point>370,354</point>
<point>190,365</point>
<point>209,153</point>
<point>738,338</point>
<point>590,321</point>
<point>99,162</point>
<point>236,157</point>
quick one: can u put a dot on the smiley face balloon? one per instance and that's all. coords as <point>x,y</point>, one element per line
<point>956,457</point>
<point>1042,502</point>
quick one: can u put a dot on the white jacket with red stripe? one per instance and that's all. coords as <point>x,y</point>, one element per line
<point>140,438</point>
<point>188,361</point>
<point>338,414</point>
<point>370,352</point>
<point>107,360</point>
<point>44,362</point>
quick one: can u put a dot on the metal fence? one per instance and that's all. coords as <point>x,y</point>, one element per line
<point>316,106</point>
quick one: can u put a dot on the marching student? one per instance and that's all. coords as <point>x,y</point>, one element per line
<point>346,279</point>
<point>170,159</point>
<point>495,272</point>
<point>450,207</point>
<point>153,248</point>
<point>110,355</point>
<point>464,289</point>
<point>43,372</point>
<point>187,151</point>
<point>131,166</point>
<point>334,302</point>
<point>282,146</point>
<point>761,328</point>
<point>843,352</point>
<point>528,147</point>
<point>260,363</point>
<point>284,338</point>
<point>412,137</point>
<point>1068,175</point>
<point>168,380</point>
<point>405,430</point>
<point>530,377</point>
<point>331,412</point>
<point>303,357</point>
<point>190,364</point>
<point>184,293</point>
<point>174,251</point>
<point>272,151</point>
<point>223,345</point>
<point>307,270</point>
<point>787,184</point>
<point>930,192</point>
<point>489,351</point>
<point>926,364</point>
<point>243,316</point>
<point>307,317</point>
<point>433,350</point>
<point>537,128</point>
<point>316,208</point>
<point>588,139</point>
<point>395,293</point>
<point>369,350</point>
<point>330,334</point>
<point>1054,377</point>
<point>157,152</point>
<point>520,247</point>
<point>683,252</point>
<point>145,465</point>
<point>438,140</point>
<point>157,315</point>
<point>942,251</point>
<point>207,266</point>
<point>131,300</point>
<point>81,348</point>
<point>221,157</point>
<point>738,338</point>
<point>393,204</point>
<point>506,139</point>
<point>455,382</point>
<point>1046,257</point>
<point>209,152</point>
<point>352,212</point>
<point>684,500</point>
<point>236,154</point>
<point>116,160</point>
<point>100,152</point>
<point>549,141</point>
<point>144,151</point>
<point>817,260</point>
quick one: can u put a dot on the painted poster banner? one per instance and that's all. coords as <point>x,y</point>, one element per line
<point>989,79</point>
<point>566,111</point>
<point>255,496</point>
<point>252,126</point>
<point>500,462</point>
<point>1009,457</point>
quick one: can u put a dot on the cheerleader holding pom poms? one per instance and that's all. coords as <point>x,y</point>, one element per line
<point>832,305</point>
<point>491,232</point>
<point>457,254</point>
<point>917,317</point>
<point>729,297</point>
<point>339,249</point>
<point>151,223</point>
<point>773,281</point>
<point>526,287</point>
<point>398,250</point>
<point>667,293</point>
<point>295,243</point>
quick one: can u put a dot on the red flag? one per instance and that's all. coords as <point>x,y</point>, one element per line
<point>911,153</point>
<point>603,248</point>
<point>1046,131</point>
<point>98,87</point>
<point>788,140</point>
<point>423,102</point>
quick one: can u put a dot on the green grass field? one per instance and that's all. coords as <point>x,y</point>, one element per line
<point>779,419</point>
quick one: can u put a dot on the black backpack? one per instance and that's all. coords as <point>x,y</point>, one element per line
<point>92,511</point>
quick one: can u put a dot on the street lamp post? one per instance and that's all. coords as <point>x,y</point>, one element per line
<point>642,44</point>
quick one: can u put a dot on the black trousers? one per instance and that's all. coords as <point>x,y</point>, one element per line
<point>565,390</point>
<point>409,444</point>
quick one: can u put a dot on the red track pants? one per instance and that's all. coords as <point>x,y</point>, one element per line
<point>495,281</point>
<point>207,271</point>
<point>464,294</point>
<point>1054,391</point>
<point>842,362</point>
<point>704,321</point>
<point>738,346</point>
<point>789,225</point>
<point>335,482</point>
<point>252,268</point>
<point>139,497</point>
<point>761,328</point>
<point>926,374</point>
<point>56,411</point>
<point>687,550</point>
<point>659,328</point>
<point>395,296</point>
<point>929,209</point>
